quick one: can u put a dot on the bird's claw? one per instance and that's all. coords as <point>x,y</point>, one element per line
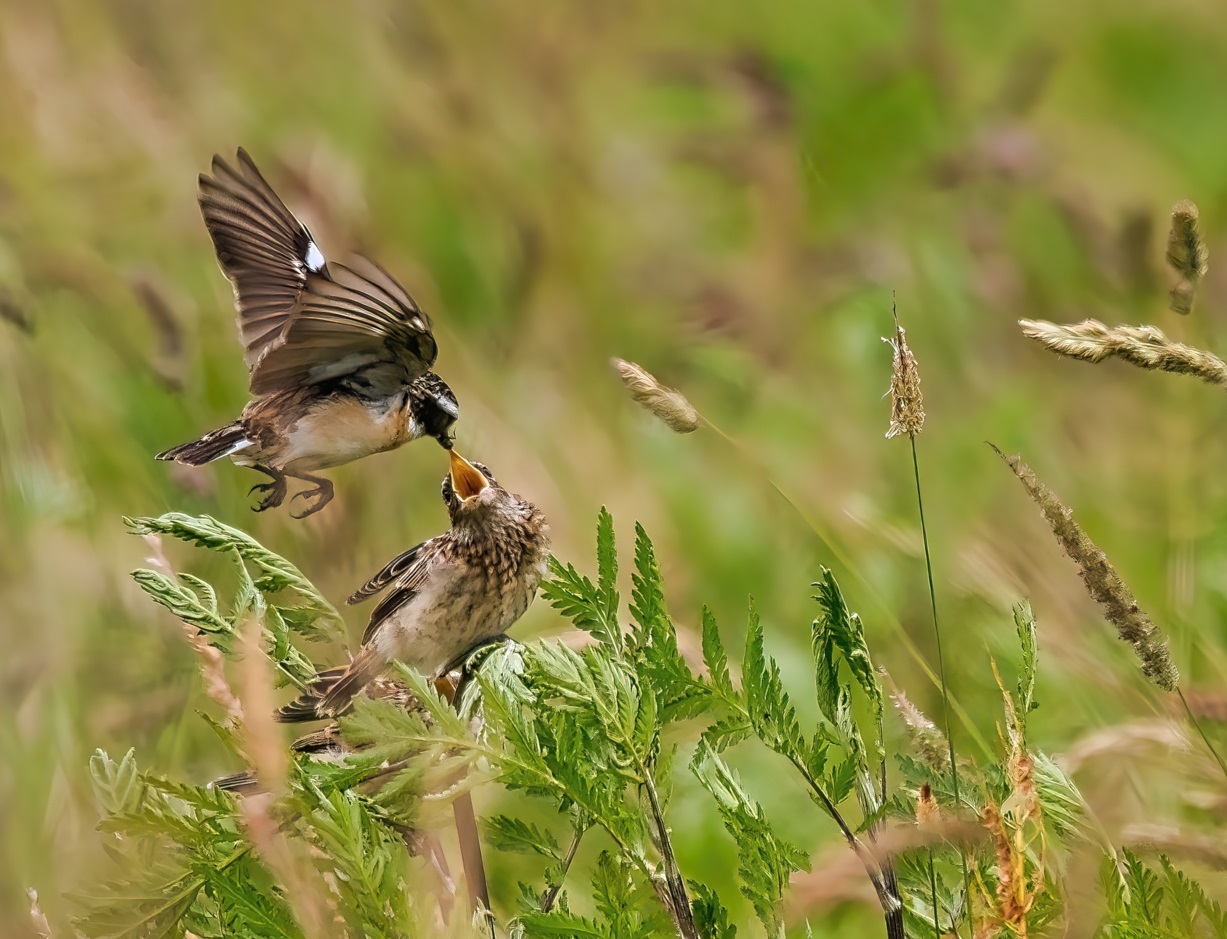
<point>275,495</point>
<point>320,495</point>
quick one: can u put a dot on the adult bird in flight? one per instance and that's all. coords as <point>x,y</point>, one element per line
<point>339,355</point>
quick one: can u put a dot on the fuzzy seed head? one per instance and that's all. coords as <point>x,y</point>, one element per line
<point>927,811</point>
<point>1143,346</point>
<point>927,741</point>
<point>1104,585</point>
<point>907,406</point>
<point>669,405</point>
<point>1186,255</point>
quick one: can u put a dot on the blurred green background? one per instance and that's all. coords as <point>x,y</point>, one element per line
<point>726,193</point>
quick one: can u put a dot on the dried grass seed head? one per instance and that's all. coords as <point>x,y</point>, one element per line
<point>1143,346</point>
<point>1186,255</point>
<point>926,739</point>
<point>668,404</point>
<point>927,811</point>
<point>907,407</point>
<point>1102,582</point>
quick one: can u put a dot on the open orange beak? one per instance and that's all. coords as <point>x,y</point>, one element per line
<point>467,479</point>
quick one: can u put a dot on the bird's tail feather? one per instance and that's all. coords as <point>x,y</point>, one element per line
<point>332,692</point>
<point>238,782</point>
<point>212,446</point>
<point>306,707</point>
<point>338,699</point>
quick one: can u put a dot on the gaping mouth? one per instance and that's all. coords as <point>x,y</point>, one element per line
<point>467,479</point>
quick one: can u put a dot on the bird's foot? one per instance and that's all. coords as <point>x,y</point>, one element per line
<point>274,493</point>
<point>316,498</point>
<point>470,661</point>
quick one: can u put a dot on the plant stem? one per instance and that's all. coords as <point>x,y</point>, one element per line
<point>888,894</point>
<point>470,838</point>
<point>470,851</point>
<point>937,928</point>
<point>873,595</point>
<point>941,665</point>
<point>678,901</point>
<point>893,915</point>
<point>551,895</point>
<point>1206,740</point>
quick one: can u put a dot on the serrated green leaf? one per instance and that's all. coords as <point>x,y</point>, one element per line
<point>841,779</point>
<point>516,835</point>
<point>276,572</point>
<point>711,917</point>
<point>561,924</point>
<point>1024,623</point>
<point>184,603</point>
<point>838,630</point>
<point>607,572</point>
<point>716,659</point>
<point>118,787</point>
<point>765,861</point>
<point>768,707</point>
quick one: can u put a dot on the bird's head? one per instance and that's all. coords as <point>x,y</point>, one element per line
<point>435,409</point>
<point>470,489</point>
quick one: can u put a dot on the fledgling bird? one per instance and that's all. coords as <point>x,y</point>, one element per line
<point>339,355</point>
<point>452,592</point>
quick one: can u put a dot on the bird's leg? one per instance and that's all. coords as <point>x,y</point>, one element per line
<point>275,490</point>
<point>468,667</point>
<point>321,494</point>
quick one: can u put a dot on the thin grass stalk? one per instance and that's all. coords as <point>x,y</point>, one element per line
<point>941,669</point>
<point>937,926</point>
<point>1205,739</point>
<point>872,594</point>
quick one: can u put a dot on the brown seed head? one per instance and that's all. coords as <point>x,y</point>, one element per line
<point>907,406</point>
<point>927,811</point>
<point>1143,346</point>
<point>667,404</point>
<point>1186,255</point>
<point>1104,585</point>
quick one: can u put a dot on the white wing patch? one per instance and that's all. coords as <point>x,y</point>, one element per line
<point>315,258</point>
<point>238,445</point>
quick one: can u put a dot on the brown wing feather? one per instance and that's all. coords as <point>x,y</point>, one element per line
<point>303,321</point>
<point>388,573</point>
<point>349,318</point>
<point>404,588</point>
<point>261,247</point>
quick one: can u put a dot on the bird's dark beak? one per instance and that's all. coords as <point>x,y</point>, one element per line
<point>467,479</point>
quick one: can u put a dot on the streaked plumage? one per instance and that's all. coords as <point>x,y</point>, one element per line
<point>339,355</point>
<point>452,592</point>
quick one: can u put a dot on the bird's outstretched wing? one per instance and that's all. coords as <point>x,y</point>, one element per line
<point>303,321</point>
<point>262,248</point>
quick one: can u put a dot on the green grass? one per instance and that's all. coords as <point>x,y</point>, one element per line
<point>559,183</point>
